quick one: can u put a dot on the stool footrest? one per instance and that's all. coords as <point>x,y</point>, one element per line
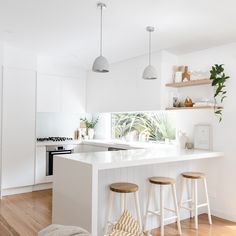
<point>202,205</point>
<point>154,212</point>
<point>187,201</point>
<point>171,210</point>
<point>186,208</point>
<point>170,218</point>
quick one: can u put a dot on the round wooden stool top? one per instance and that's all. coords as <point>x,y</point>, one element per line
<point>193,175</point>
<point>161,180</point>
<point>124,187</point>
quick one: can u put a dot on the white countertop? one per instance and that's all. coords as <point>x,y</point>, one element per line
<point>139,157</point>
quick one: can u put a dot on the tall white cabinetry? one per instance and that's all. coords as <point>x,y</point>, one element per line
<point>18,129</point>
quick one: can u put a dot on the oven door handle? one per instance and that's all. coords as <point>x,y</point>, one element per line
<point>60,153</point>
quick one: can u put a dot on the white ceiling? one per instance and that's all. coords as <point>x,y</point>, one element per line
<point>70,28</point>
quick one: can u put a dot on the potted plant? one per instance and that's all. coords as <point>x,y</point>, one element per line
<point>90,125</point>
<point>219,79</point>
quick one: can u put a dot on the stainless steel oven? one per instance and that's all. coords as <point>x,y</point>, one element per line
<point>53,151</point>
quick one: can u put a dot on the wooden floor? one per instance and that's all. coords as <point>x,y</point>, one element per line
<point>26,214</point>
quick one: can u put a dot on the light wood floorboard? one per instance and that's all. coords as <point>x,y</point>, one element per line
<point>26,214</point>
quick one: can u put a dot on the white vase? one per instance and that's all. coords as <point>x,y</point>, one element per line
<point>182,139</point>
<point>90,133</point>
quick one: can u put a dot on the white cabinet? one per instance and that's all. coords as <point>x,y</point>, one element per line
<point>48,93</point>
<point>60,94</point>
<point>18,127</point>
<point>73,95</point>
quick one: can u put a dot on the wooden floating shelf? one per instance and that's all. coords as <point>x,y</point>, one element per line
<point>189,83</point>
<point>191,108</point>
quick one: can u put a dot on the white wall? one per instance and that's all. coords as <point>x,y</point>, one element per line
<point>19,58</point>
<point>221,172</point>
<point>123,89</point>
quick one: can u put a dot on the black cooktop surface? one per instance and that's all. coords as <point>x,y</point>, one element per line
<point>54,139</point>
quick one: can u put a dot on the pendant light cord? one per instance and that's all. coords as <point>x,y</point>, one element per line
<point>150,42</point>
<point>101,33</point>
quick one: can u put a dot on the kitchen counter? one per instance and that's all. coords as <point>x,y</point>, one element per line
<point>139,157</point>
<point>81,180</point>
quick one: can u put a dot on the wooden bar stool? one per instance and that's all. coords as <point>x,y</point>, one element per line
<point>193,196</point>
<point>162,182</point>
<point>123,189</point>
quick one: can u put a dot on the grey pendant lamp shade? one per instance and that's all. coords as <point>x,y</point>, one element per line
<point>150,71</point>
<point>101,64</point>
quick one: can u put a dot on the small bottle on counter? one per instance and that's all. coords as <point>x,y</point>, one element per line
<point>77,135</point>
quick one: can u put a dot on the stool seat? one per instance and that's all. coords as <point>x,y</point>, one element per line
<point>193,175</point>
<point>161,180</point>
<point>124,187</point>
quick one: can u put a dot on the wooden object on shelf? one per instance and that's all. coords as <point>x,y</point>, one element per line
<point>189,83</point>
<point>186,75</point>
<point>192,108</point>
<point>188,102</point>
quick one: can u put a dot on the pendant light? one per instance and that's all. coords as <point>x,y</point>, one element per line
<point>101,64</point>
<point>150,71</point>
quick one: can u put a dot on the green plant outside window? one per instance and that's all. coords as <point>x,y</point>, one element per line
<point>154,126</point>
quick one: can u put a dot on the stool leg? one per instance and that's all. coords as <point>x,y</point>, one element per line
<point>176,207</point>
<point>122,202</point>
<point>138,209</point>
<point>195,203</point>
<point>110,208</point>
<point>207,200</point>
<point>162,209</point>
<point>192,197</point>
<point>150,187</point>
<point>183,182</point>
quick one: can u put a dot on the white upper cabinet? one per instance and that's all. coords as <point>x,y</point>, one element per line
<point>60,94</point>
<point>18,129</point>
<point>48,93</point>
<point>73,95</point>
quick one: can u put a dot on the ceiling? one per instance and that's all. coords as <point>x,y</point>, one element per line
<point>70,28</point>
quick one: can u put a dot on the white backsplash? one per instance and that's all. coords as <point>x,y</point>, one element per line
<point>57,124</point>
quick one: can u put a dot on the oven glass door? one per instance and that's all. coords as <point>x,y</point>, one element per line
<point>50,156</point>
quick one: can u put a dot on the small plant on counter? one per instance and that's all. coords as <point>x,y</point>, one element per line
<point>219,79</point>
<point>90,124</point>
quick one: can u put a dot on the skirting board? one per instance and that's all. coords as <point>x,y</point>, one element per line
<point>27,189</point>
<point>223,215</point>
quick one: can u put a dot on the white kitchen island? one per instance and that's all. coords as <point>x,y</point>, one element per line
<point>81,181</point>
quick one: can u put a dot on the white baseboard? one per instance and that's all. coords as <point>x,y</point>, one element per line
<point>26,189</point>
<point>223,215</point>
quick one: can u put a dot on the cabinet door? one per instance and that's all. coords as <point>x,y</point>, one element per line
<point>18,130</point>
<point>48,93</point>
<point>73,95</point>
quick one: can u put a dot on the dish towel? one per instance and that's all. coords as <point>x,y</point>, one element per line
<point>62,230</point>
